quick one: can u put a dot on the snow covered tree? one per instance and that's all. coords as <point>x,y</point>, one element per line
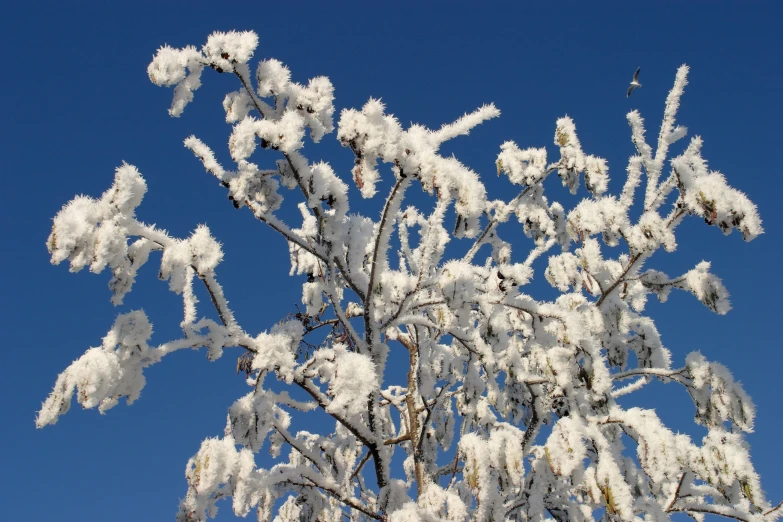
<point>509,405</point>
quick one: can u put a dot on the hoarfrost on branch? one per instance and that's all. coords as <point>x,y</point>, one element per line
<point>489,365</point>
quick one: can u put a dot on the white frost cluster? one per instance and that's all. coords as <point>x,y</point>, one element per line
<point>313,102</point>
<point>93,233</point>
<point>104,374</point>
<point>182,68</point>
<point>709,196</point>
<point>717,396</point>
<point>226,49</point>
<point>218,470</point>
<point>372,135</point>
<point>200,252</point>
<point>573,161</point>
<point>276,350</point>
<point>353,382</point>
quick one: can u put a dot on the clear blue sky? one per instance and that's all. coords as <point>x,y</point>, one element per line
<point>77,102</point>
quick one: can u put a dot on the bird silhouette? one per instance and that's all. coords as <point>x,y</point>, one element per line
<point>634,83</point>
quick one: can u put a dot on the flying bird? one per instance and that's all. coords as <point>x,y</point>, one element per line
<point>635,83</point>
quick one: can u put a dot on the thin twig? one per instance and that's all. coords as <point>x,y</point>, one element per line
<point>654,372</point>
<point>397,440</point>
<point>631,263</point>
<point>401,183</point>
<point>676,491</point>
<point>534,420</point>
<point>351,502</point>
<point>360,466</point>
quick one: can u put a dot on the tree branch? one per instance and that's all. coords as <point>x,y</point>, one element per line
<point>323,402</point>
<point>381,242</point>
<point>397,440</point>
<point>631,263</point>
<point>334,492</point>
<point>654,372</point>
<point>360,466</point>
<point>294,443</point>
<point>676,491</point>
<point>532,426</point>
<point>724,511</point>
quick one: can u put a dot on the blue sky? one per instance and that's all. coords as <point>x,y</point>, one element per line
<point>77,102</point>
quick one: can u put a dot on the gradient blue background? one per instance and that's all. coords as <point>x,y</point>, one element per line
<point>77,102</point>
